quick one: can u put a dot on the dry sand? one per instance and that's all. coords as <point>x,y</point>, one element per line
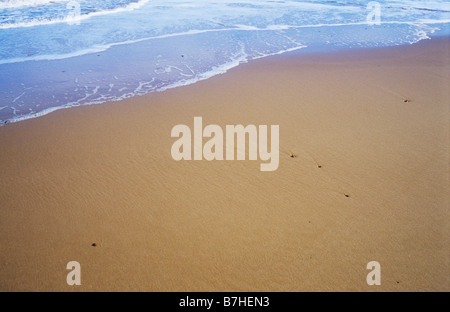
<point>104,174</point>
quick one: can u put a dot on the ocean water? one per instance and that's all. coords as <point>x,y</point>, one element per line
<point>56,54</point>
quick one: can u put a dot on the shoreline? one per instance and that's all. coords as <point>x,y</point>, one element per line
<point>369,182</point>
<point>322,50</point>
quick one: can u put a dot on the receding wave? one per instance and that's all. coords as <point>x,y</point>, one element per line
<point>65,14</point>
<point>101,48</point>
<point>18,4</point>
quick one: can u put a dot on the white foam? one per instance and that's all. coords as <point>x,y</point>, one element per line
<point>50,57</point>
<point>142,85</point>
<point>73,20</point>
<point>240,58</point>
<point>18,97</point>
<point>428,5</point>
<point>18,4</point>
<point>422,33</point>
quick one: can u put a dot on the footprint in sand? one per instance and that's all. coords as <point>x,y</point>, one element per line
<point>292,155</point>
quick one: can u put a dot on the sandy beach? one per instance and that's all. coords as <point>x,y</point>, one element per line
<point>363,176</point>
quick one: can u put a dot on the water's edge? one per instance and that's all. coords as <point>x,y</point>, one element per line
<point>297,52</point>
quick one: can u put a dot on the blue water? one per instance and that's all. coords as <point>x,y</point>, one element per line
<point>56,54</point>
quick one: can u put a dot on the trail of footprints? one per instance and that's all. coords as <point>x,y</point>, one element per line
<point>293,156</point>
